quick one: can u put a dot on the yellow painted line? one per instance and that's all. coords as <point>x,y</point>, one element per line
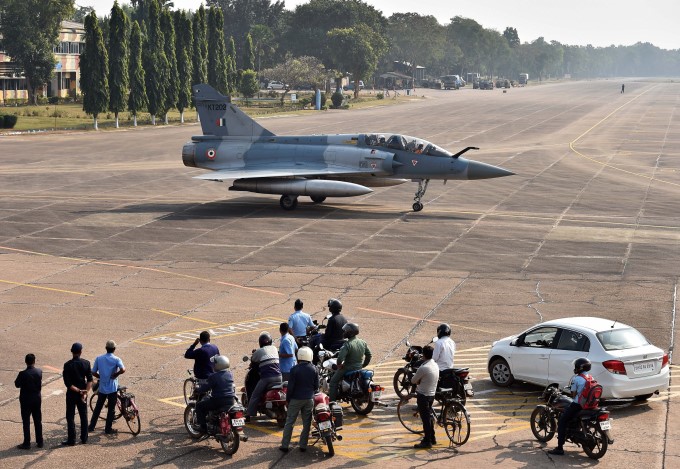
<point>517,428</point>
<point>44,288</point>
<point>169,400</point>
<point>422,319</point>
<point>182,316</point>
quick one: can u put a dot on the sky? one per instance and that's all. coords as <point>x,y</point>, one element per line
<point>600,23</point>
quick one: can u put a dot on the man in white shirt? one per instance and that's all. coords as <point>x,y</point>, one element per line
<point>444,348</point>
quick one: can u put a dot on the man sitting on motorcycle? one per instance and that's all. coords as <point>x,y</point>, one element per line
<point>334,337</point>
<point>299,322</point>
<point>354,355</point>
<point>578,385</point>
<point>221,383</point>
<point>267,359</point>
<point>444,348</point>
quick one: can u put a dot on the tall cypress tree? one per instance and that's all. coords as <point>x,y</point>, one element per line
<point>119,25</point>
<point>233,75</point>
<point>94,70</point>
<point>137,99</point>
<point>217,53</point>
<point>248,54</point>
<point>183,47</point>
<point>199,51</point>
<point>155,63</point>
<point>172,85</point>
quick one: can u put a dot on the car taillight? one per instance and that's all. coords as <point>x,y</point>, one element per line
<point>603,416</point>
<point>665,360</point>
<point>615,366</point>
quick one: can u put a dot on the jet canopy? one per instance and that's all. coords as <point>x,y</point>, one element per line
<point>405,143</point>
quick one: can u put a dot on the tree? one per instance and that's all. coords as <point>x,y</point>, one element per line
<point>248,54</point>
<point>94,70</point>
<point>263,42</point>
<point>468,35</point>
<point>217,54</point>
<point>232,73</point>
<point>510,35</point>
<point>30,30</point>
<point>118,60</point>
<point>296,71</point>
<point>137,98</point>
<point>183,46</point>
<point>80,13</point>
<point>353,52</point>
<point>199,55</point>
<point>172,85</point>
<point>155,64</point>
<point>415,39</point>
<point>249,85</point>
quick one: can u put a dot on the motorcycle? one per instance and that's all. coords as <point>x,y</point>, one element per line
<point>225,425</point>
<point>313,337</point>
<point>457,379</point>
<point>326,421</point>
<point>357,387</point>
<point>273,403</point>
<point>589,429</point>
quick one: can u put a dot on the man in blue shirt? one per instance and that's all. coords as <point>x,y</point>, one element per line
<point>107,368</point>
<point>287,350</point>
<point>203,367</point>
<point>299,321</point>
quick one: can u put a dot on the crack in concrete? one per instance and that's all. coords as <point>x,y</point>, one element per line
<point>542,301</point>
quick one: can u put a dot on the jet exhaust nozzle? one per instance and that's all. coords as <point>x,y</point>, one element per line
<point>311,187</point>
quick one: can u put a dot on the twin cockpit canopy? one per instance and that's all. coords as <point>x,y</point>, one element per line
<point>405,143</point>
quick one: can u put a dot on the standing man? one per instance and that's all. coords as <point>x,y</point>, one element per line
<point>333,338</point>
<point>107,368</point>
<point>299,321</point>
<point>203,366</point>
<point>623,88</point>
<point>77,376</point>
<point>287,350</point>
<point>354,355</point>
<point>426,378</point>
<point>29,382</point>
<point>444,348</point>
<point>302,385</point>
<point>266,358</point>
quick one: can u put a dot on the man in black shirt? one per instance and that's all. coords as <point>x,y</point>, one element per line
<point>78,380</point>
<point>29,382</point>
<point>302,385</point>
<point>333,338</point>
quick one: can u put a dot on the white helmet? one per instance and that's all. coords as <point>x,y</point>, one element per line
<point>221,362</point>
<point>305,354</point>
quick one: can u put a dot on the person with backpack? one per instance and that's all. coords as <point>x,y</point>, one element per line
<point>581,384</point>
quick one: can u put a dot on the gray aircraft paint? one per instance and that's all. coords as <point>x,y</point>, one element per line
<point>235,147</point>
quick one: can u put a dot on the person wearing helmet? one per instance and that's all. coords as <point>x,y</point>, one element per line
<point>299,321</point>
<point>354,355</point>
<point>444,348</point>
<point>221,383</point>
<point>333,338</point>
<point>203,367</point>
<point>266,358</point>
<point>302,385</point>
<point>578,384</point>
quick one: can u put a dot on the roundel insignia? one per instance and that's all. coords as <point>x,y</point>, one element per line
<point>211,153</point>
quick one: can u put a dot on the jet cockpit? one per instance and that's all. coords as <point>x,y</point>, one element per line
<point>405,143</point>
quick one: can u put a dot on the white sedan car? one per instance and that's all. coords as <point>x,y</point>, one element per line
<point>623,361</point>
<point>275,85</point>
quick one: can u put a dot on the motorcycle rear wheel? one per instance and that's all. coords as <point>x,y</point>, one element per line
<point>190,422</point>
<point>231,442</point>
<point>402,383</point>
<point>329,443</point>
<point>600,443</point>
<point>362,405</point>
<point>543,426</point>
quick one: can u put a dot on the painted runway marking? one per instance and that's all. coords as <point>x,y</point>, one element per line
<point>44,288</point>
<point>183,317</point>
<point>173,339</point>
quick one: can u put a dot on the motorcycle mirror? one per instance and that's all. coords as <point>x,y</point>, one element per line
<point>245,358</point>
<point>408,344</point>
<point>328,316</point>
<point>434,339</point>
<point>315,322</point>
<point>321,347</point>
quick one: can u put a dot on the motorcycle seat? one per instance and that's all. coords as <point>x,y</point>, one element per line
<point>586,414</point>
<point>278,385</point>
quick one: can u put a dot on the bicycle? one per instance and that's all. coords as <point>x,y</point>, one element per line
<point>190,385</point>
<point>125,407</point>
<point>452,415</point>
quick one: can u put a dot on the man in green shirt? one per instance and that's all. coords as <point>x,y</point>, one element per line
<point>354,355</point>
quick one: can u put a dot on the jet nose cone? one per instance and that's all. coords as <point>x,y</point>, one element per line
<point>477,170</point>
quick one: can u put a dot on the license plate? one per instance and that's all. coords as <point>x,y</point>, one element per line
<point>467,386</point>
<point>605,425</point>
<point>643,367</point>
<point>325,425</point>
<point>238,422</point>
<point>376,395</point>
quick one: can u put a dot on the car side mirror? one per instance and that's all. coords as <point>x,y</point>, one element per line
<point>514,343</point>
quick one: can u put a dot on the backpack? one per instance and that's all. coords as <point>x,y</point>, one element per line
<point>590,396</point>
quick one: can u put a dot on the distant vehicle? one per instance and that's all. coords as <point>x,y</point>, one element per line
<point>485,84</point>
<point>451,82</point>
<point>623,360</point>
<point>350,87</point>
<point>502,83</point>
<point>276,85</point>
<point>472,77</point>
<point>523,78</point>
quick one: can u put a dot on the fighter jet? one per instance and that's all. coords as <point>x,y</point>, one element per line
<point>234,147</point>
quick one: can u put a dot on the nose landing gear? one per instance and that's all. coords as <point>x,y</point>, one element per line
<point>420,193</point>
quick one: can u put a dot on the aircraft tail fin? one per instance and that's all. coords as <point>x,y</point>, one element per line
<point>221,118</point>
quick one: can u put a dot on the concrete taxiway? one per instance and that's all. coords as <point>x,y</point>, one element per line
<point>106,236</point>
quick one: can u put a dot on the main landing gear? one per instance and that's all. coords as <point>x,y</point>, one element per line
<point>288,202</point>
<point>422,187</point>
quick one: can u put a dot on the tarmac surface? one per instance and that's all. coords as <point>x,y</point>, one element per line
<point>107,236</point>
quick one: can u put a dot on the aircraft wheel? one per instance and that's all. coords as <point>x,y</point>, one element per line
<point>288,202</point>
<point>417,207</point>
<point>317,199</point>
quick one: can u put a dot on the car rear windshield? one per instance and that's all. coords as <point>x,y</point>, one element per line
<point>621,339</point>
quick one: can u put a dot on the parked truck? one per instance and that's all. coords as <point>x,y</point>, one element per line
<point>523,78</point>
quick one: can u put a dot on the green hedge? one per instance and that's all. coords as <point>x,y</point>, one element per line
<point>8,121</point>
